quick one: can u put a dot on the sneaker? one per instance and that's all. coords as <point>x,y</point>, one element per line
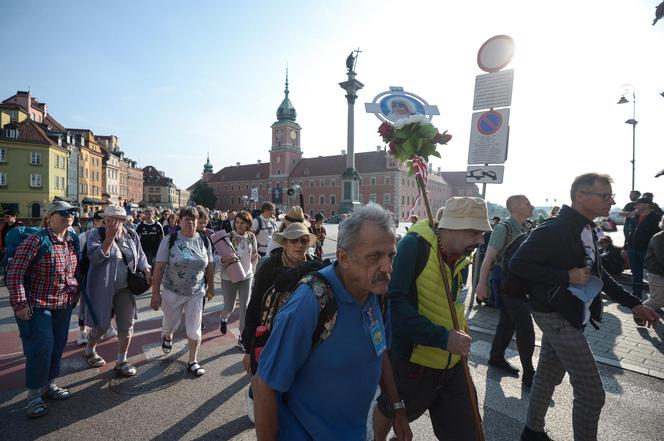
<point>223,327</point>
<point>82,339</point>
<point>239,343</point>
<point>504,365</point>
<point>530,435</point>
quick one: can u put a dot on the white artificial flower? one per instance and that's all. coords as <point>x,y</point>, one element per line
<point>418,118</point>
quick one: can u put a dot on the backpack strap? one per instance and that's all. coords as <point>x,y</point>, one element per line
<point>171,240</point>
<point>205,239</point>
<point>328,306</point>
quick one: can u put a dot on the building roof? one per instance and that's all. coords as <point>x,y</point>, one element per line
<point>242,173</point>
<point>29,131</point>
<point>365,162</point>
<point>53,124</point>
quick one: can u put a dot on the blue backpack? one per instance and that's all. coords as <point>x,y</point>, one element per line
<point>18,234</point>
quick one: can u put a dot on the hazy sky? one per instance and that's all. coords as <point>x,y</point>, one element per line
<point>175,80</point>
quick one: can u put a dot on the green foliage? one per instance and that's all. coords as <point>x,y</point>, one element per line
<point>203,194</point>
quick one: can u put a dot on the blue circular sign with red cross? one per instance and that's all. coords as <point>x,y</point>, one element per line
<point>489,123</point>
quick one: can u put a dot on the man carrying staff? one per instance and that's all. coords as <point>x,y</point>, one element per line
<point>426,350</point>
<point>561,261</point>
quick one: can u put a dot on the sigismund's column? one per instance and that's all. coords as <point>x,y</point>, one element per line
<point>350,178</point>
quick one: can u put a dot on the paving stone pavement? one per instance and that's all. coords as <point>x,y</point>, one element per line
<point>618,342</point>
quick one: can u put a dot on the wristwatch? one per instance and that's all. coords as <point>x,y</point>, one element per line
<point>398,405</point>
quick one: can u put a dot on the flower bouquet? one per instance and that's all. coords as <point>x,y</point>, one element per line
<point>413,138</point>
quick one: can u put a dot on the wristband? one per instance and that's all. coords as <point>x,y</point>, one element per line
<point>398,405</point>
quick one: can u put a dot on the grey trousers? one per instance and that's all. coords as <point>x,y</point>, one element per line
<point>231,291</point>
<point>565,349</point>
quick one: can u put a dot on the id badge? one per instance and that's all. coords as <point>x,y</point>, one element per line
<point>461,298</point>
<point>378,338</point>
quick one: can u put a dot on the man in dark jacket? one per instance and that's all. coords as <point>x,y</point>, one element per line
<point>561,261</point>
<point>644,228</point>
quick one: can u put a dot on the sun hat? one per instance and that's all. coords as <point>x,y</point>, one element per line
<point>59,206</point>
<point>644,200</point>
<point>294,214</point>
<point>295,230</point>
<point>465,213</point>
<point>115,211</point>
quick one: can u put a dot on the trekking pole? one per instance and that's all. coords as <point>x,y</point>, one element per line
<point>455,322</point>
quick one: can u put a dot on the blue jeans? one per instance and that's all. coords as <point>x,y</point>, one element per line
<point>636,259</point>
<point>44,337</point>
<point>495,278</point>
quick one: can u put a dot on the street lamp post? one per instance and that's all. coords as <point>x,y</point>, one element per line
<point>627,90</point>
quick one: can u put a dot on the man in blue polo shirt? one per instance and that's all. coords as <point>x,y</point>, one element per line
<point>325,392</point>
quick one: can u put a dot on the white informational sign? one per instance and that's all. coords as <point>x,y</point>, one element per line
<point>493,90</point>
<point>488,137</point>
<point>485,174</point>
<point>254,194</point>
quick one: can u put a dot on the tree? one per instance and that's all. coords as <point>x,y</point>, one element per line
<point>203,194</point>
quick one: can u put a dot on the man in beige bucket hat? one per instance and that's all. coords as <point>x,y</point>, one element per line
<point>426,349</point>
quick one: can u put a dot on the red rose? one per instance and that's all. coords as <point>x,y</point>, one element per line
<point>393,147</point>
<point>385,129</point>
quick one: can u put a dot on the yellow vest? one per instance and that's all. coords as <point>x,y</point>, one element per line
<point>432,300</point>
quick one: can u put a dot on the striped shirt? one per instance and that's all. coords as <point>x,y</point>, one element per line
<point>42,283</point>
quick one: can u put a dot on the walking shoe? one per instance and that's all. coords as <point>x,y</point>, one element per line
<point>82,339</point>
<point>504,365</point>
<point>527,377</point>
<point>223,327</point>
<point>530,435</point>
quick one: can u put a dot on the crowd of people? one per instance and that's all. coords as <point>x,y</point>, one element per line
<point>374,318</point>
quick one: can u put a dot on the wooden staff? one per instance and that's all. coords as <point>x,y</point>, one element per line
<point>455,321</point>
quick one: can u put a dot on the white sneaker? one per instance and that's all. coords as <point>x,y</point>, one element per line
<point>110,333</point>
<point>82,339</point>
<point>250,405</point>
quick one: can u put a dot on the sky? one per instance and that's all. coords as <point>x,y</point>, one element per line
<point>176,81</point>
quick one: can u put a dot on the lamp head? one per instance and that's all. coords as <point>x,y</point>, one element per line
<point>623,100</point>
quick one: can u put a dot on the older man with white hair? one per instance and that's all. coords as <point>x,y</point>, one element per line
<point>324,391</point>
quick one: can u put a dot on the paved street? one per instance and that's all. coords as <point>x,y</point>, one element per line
<point>163,403</point>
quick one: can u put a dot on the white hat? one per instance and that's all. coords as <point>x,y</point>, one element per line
<point>295,230</point>
<point>465,213</point>
<point>294,214</point>
<point>115,211</point>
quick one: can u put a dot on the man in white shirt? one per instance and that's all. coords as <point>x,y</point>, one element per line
<point>264,227</point>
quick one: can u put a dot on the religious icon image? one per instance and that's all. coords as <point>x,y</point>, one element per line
<point>396,107</point>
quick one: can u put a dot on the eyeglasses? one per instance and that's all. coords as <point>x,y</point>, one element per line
<point>303,240</point>
<point>605,196</point>
<point>65,213</point>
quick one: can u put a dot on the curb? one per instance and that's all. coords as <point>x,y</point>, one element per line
<point>598,359</point>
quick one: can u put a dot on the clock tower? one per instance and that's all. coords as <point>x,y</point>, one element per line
<point>285,152</point>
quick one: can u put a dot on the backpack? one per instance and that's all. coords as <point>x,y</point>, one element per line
<point>511,284</point>
<point>286,281</point>
<point>18,234</point>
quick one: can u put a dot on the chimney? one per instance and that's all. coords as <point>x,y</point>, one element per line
<point>259,162</point>
<point>343,153</point>
<point>237,164</point>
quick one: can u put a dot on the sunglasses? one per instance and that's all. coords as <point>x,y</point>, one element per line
<point>303,240</point>
<point>65,213</point>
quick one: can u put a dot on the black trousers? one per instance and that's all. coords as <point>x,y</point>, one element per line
<point>515,317</point>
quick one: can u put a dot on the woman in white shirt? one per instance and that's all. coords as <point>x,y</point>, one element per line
<point>246,247</point>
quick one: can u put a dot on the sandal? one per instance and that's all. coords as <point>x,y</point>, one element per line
<point>125,368</point>
<point>196,369</point>
<point>36,407</point>
<point>166,345</point>
<point>57,393</point>
<point>93,360</point>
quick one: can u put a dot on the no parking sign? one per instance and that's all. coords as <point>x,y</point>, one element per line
<point>488,137</point>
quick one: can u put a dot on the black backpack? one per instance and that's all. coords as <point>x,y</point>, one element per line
<point>511,284</point>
